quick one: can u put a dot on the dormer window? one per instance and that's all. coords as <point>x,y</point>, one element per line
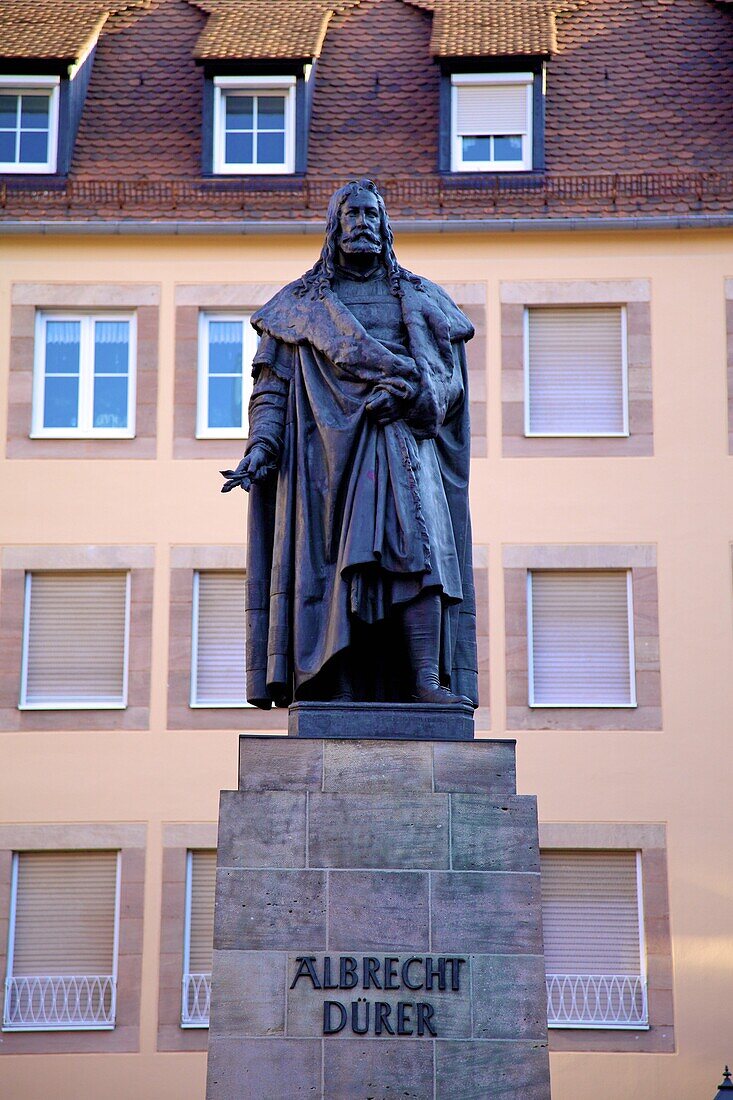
<point>491,122</point>
<point>29,108</point>
<point>254,124</point>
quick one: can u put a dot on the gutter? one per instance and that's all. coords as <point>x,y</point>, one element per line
<point>143,228</point>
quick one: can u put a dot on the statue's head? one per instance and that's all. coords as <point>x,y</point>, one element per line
<point>356,222</point>
<point>357,216</point>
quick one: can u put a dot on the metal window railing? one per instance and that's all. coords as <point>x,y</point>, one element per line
<point>196,1000</point>
<point>458,194</point>
<point>597,1001</point>
<point>47,1002</point>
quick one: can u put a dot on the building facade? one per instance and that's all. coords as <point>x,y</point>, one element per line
<point>565,170</point>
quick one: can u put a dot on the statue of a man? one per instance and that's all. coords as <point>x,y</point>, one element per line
<point>359,576</point>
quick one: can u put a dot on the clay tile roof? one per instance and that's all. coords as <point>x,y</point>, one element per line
<point>264,29</point>
<point>54,29</point>
<point>493,28</point>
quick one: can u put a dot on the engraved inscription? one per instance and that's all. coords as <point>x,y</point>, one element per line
<point>372,1015</point>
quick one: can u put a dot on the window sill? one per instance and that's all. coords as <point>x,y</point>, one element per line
<point>222,434</point>
<point>46,1029</point>
<point>483,169</point>
<point>72,706</point>
<point>583,706</point>
<point>27,169</point>
<point>599,1027</point>
<point>222,706</point>
<point>82,435</point>
<point>576,435</point>
<point>253,170</point>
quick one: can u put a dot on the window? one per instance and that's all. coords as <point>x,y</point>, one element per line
<point>580,631</point>
<point>254,124</point>
<point>594,940</point>
<point>198,938</point>
<point>84,381</point>
<point>491,122</point>
<point>29,108</point>
<point>75,641</point>
<point>227,345</point>
<point>575,371</point>
<point>217,665</point>
<point>63,941</point>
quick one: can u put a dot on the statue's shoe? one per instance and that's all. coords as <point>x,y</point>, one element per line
<point>439,694</point>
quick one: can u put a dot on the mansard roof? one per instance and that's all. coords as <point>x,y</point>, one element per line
<point>638,111</point>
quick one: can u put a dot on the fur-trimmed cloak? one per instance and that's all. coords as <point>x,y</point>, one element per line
<point>359,518</point>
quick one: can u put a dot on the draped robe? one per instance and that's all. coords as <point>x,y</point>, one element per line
<point>358,519</point>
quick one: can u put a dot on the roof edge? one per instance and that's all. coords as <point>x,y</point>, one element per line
<point>132,228</point>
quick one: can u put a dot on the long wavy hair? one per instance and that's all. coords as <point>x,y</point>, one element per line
<point>321,275</point>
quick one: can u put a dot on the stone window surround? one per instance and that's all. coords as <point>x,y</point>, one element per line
<point>15,561</point>
<point>641,560</point>
<point>178,840</point>
<point>193,298</point>
<point>130,841</point>
<point>650,840</point>
<point>729,349</point>
<point>184,561</point>
<point>635,294</point>
<point>482,716</point>
<point>29,298</point>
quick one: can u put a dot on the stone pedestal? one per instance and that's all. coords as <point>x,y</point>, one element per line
<point>377,929</point>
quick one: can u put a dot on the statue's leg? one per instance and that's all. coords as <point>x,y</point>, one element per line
<point>343,687</point>
<point>421,628</point>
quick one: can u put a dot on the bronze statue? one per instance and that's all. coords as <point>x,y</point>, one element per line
<point>359,574</point>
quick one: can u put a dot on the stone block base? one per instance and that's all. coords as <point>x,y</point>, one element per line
<point>377,927</point>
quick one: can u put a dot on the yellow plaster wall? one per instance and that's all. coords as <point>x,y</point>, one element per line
<point>680,500</point>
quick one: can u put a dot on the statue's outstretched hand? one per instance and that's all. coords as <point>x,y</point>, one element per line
<point>255,466</point>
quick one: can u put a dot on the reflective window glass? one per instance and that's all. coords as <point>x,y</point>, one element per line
<point>239,148</point>
<point>254,129</point>
<point>270,148</point>
<point>476,148</point>
<point>85,368</point>
<point>240,112</point>
<point>508,148</point>
<point>25,119</point>
<point>271,112</point>
<point>34,112</point>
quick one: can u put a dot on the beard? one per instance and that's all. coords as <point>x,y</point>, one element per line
<point>361,240</point>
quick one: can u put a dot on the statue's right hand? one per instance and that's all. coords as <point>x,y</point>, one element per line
<point>255,466</point>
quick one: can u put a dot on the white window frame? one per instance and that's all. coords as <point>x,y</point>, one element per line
<point>115,953</point>
<point>457,162</point>
<point>624,433</point>
<point>249,347</point>
<point>632,654</point>
<point>193,702</point>
<point>46,85</point>
<point>186,1023</point>
<point>85,430</point>
<point>74,704</point>
<point>643,971</point>
<point>257,85</point>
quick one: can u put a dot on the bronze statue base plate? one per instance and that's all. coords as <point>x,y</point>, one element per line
<point>382,721</point>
